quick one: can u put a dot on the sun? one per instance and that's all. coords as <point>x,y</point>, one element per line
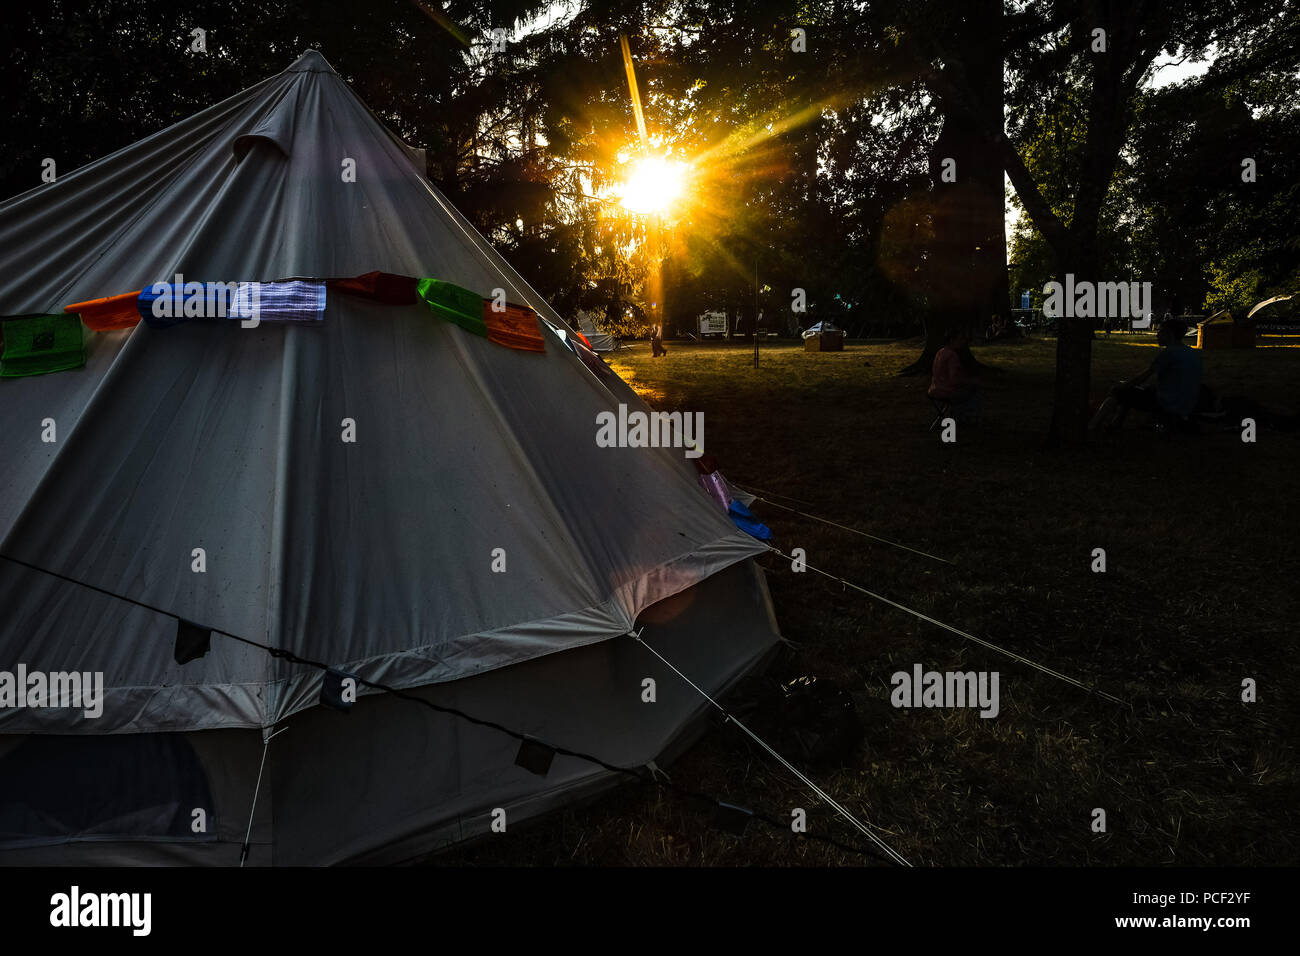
<point>653,184</point>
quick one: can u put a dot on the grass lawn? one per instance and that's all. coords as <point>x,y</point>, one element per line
<point>1200,593</point>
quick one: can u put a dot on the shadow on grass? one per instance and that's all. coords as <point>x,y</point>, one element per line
<point>1199,594</point>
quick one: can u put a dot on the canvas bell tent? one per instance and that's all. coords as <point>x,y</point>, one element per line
<point>387,487</point>
<point>600,341</point>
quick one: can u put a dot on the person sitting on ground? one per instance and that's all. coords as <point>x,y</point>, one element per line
<point>1177,370</point>
<point>952,382</point>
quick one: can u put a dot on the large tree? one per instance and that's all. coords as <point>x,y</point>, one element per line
<point>1099,58</point>
<point>1081,60</point>
<point>956,53</point>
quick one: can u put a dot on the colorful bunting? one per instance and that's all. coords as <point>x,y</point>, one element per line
<point>291,301</point>
<point>167,303</point>
<point>457,305</point>
<point>383,287</point>
<point>110,314</point>
<point>37,344</point>
<point>515,328</point>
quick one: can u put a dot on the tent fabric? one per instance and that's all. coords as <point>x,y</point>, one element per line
<point>281,211</point>
<point>39,344</point>
<point>1267,302</point>
<point>141,784</point>
<point>1215,332</point>
<point>590,359</point>
<point>230,439</point>
<point>108,314</point>
<point>817,328</point>
<point>377,491</point>
<point>330,795</point>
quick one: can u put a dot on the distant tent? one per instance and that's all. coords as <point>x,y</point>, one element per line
<point>382,491</point>
<point>818,328</point>
<point>600,341</point>
<point>1222,331</point>
<point>1267,302</point>
<point>1274,317</point>
<point>823,337</point>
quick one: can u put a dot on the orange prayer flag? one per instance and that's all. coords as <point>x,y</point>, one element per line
<point>514,328</point>
<point>105,315</point>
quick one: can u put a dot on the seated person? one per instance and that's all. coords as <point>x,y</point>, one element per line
<point>1178,382</point>
<point>1002,329</point>
<point>951,382</point>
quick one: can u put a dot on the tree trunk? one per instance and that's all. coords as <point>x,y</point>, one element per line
<point>935,337</point>
<point>1073,382</point>
<point>938,329</point>
<point>1000,305</point>
<point>1115,78</point>
<point>1070,409</point>
<point>965,272</point>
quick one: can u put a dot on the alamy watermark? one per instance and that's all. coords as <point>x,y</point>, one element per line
<point>923,688</point>
<point>1096,300</point>
<point>208,300</point>
<point>22,688</point>
<point>651,430</point>
<point>77,909</point>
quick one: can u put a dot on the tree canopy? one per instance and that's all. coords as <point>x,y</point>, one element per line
<point>853,151</point>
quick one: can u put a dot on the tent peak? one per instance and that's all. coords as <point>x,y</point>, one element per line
<point>311,61</point>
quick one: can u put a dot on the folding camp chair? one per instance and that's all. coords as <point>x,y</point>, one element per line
<point>942,406</point>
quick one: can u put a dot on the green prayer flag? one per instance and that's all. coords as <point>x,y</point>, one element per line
<point>36,344</point>
<point>454,304</point>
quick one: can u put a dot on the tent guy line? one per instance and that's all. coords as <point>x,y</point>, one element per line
<point>252,810</point>
<point>755,491</point>
<point>959,632</point>
<point>844,527</point>
<point>636,774</point>
<point>830,801</point>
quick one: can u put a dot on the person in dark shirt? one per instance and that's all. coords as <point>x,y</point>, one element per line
<point>657,342</point>
<point>1177,371</point>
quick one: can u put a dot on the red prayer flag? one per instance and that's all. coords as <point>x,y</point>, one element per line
<point>383,287</point>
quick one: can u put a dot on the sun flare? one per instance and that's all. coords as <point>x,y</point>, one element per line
<point>653,185</point>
